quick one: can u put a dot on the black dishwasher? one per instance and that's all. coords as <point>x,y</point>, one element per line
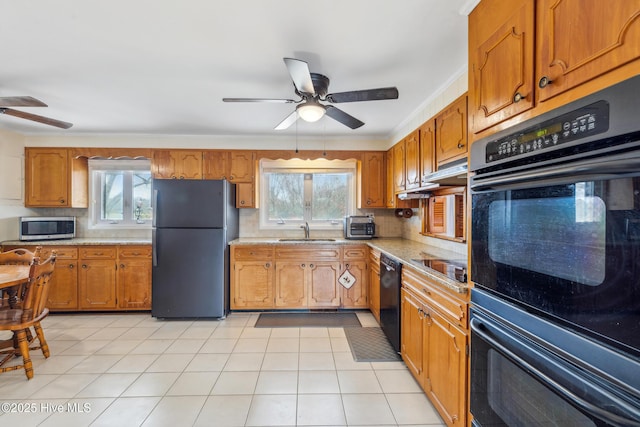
<point>390,299</point>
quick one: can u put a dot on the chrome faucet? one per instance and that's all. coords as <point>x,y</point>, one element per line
<point>306,230</point>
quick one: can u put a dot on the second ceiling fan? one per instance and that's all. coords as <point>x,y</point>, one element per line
<point>313,88</point>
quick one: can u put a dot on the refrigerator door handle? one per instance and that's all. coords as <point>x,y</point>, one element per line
<point>155,207</point>
<point>154,248</point>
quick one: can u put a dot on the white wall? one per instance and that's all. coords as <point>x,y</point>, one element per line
<point>11,184</point>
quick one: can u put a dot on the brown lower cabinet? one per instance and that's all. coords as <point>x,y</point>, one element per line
<point>434,344</point>
<point>100,277</point>
<point>374,283</point>
<point>297,277</point>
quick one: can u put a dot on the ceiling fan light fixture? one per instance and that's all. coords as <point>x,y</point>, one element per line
<point>310,111</point>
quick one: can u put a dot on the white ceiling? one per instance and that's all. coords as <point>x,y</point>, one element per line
<point>163,66</point>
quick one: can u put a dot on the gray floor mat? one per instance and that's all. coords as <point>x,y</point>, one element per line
<point>370,345</point>
<point>301,320</point>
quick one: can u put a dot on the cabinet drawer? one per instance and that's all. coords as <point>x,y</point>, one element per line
<point>374,256</point>
<point>452,308</point>
<point>252,252</point>
<point>306,252</point>
<point>62,252</point>
<point>355,252</point>
<point>98,252</point>
<point>134,251</point>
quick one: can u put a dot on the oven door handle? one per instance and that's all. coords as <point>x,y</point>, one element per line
<point>485,327</point>
<point>610,167</point>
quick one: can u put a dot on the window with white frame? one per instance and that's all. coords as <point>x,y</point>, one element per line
<point>120,193</point>
<point>320,192</point>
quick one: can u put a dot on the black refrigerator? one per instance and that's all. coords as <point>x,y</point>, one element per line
<point>193,223</point>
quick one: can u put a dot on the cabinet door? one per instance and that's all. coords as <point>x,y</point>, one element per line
<point>177,164</point>
<point>47,177</point>
<point>399,177</point>
<point>245,195</point>
<point>252,285</point>
<point>291,289</point>
<point>501,50</point>
<point>372,179</point>
<point>412,160</point>
<point>215,164</point>
<point>63,289</point>
<point>390,194</point>
<point>357,295</point>
<point>446,369</point>
<point>451,133</point>
<point>97,284</point>
<point>412,334</point>
<point>374,284</point>
<point>322,284</point>
<point>603,36</point>
<point>241,166</point>
<point>134,277</point>
<point>427,147</point>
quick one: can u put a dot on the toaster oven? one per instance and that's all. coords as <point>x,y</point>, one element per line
<point>359,227</point>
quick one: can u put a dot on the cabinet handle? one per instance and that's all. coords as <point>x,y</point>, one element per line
<point>84,265</point>
<point>173,177</point>
<point>426,291</point>
<point>267,265</point>
<point>231,178</point>
<point>368,201</point>
<point>181,177</point>
<point>519,97</point>
<point>242,202</point>
<point>121,265</point>
<point>346,266</point>
<point>310,265</point>
<point>544,82</point>
<point>303,265</point>
<point>71,266</point>
<point>460,145</point>
<point>62,201</point>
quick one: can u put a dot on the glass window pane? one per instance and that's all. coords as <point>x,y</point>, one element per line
<point>141,196</point>
<point>330,196</point>
<point>286,196</point>
<point>112,196</point>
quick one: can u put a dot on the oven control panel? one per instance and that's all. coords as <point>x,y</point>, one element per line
<point>573,126</point>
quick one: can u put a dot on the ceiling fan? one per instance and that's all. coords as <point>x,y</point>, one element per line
<point>312,88</point>
<point>27,101</point>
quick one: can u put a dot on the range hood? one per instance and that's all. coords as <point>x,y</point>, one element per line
<point>450,175</point>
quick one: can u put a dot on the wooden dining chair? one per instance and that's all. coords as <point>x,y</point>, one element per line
<point>29,313</point>
<point>16,257</point>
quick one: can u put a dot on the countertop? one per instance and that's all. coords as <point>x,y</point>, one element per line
<point>403,250</point>
<point>86,241</point>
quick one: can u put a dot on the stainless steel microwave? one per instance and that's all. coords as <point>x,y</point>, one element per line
<point>47,227</point>
<point>359,227</point>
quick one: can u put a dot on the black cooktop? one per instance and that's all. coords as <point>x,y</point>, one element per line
<point>453,269</point>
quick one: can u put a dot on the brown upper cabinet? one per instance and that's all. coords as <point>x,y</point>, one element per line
<point>451,132</point>
<point>412,160</point>
<point>372,176</point>
<point>235,166</point>
<point>399,166</point>
<point>177,164</point>
<point>427,145</point>
<point>53,178</point>
<point>525,52</point>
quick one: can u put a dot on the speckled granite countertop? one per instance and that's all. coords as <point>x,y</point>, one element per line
<point>402,250</point>
<point>82,241</point>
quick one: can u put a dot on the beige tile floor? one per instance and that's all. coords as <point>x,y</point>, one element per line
<point>132,369</point>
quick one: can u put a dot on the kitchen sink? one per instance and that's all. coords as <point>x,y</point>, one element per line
<point>307,240</point>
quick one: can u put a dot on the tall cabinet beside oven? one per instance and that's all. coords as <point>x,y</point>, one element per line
<point>435,342</point>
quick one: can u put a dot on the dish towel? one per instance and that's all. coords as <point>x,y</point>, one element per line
<point>346,279</point>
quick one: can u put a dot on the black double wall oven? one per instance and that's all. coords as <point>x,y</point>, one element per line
<point>555,262</point>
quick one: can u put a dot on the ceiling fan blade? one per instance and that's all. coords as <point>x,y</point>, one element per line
<point>288,121</point>
<point>299,71</point>
<point>342,117</point>
<point>36,118</point>
<point>364,95</point>
<point>274,101</point>
<point>20,101</point>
